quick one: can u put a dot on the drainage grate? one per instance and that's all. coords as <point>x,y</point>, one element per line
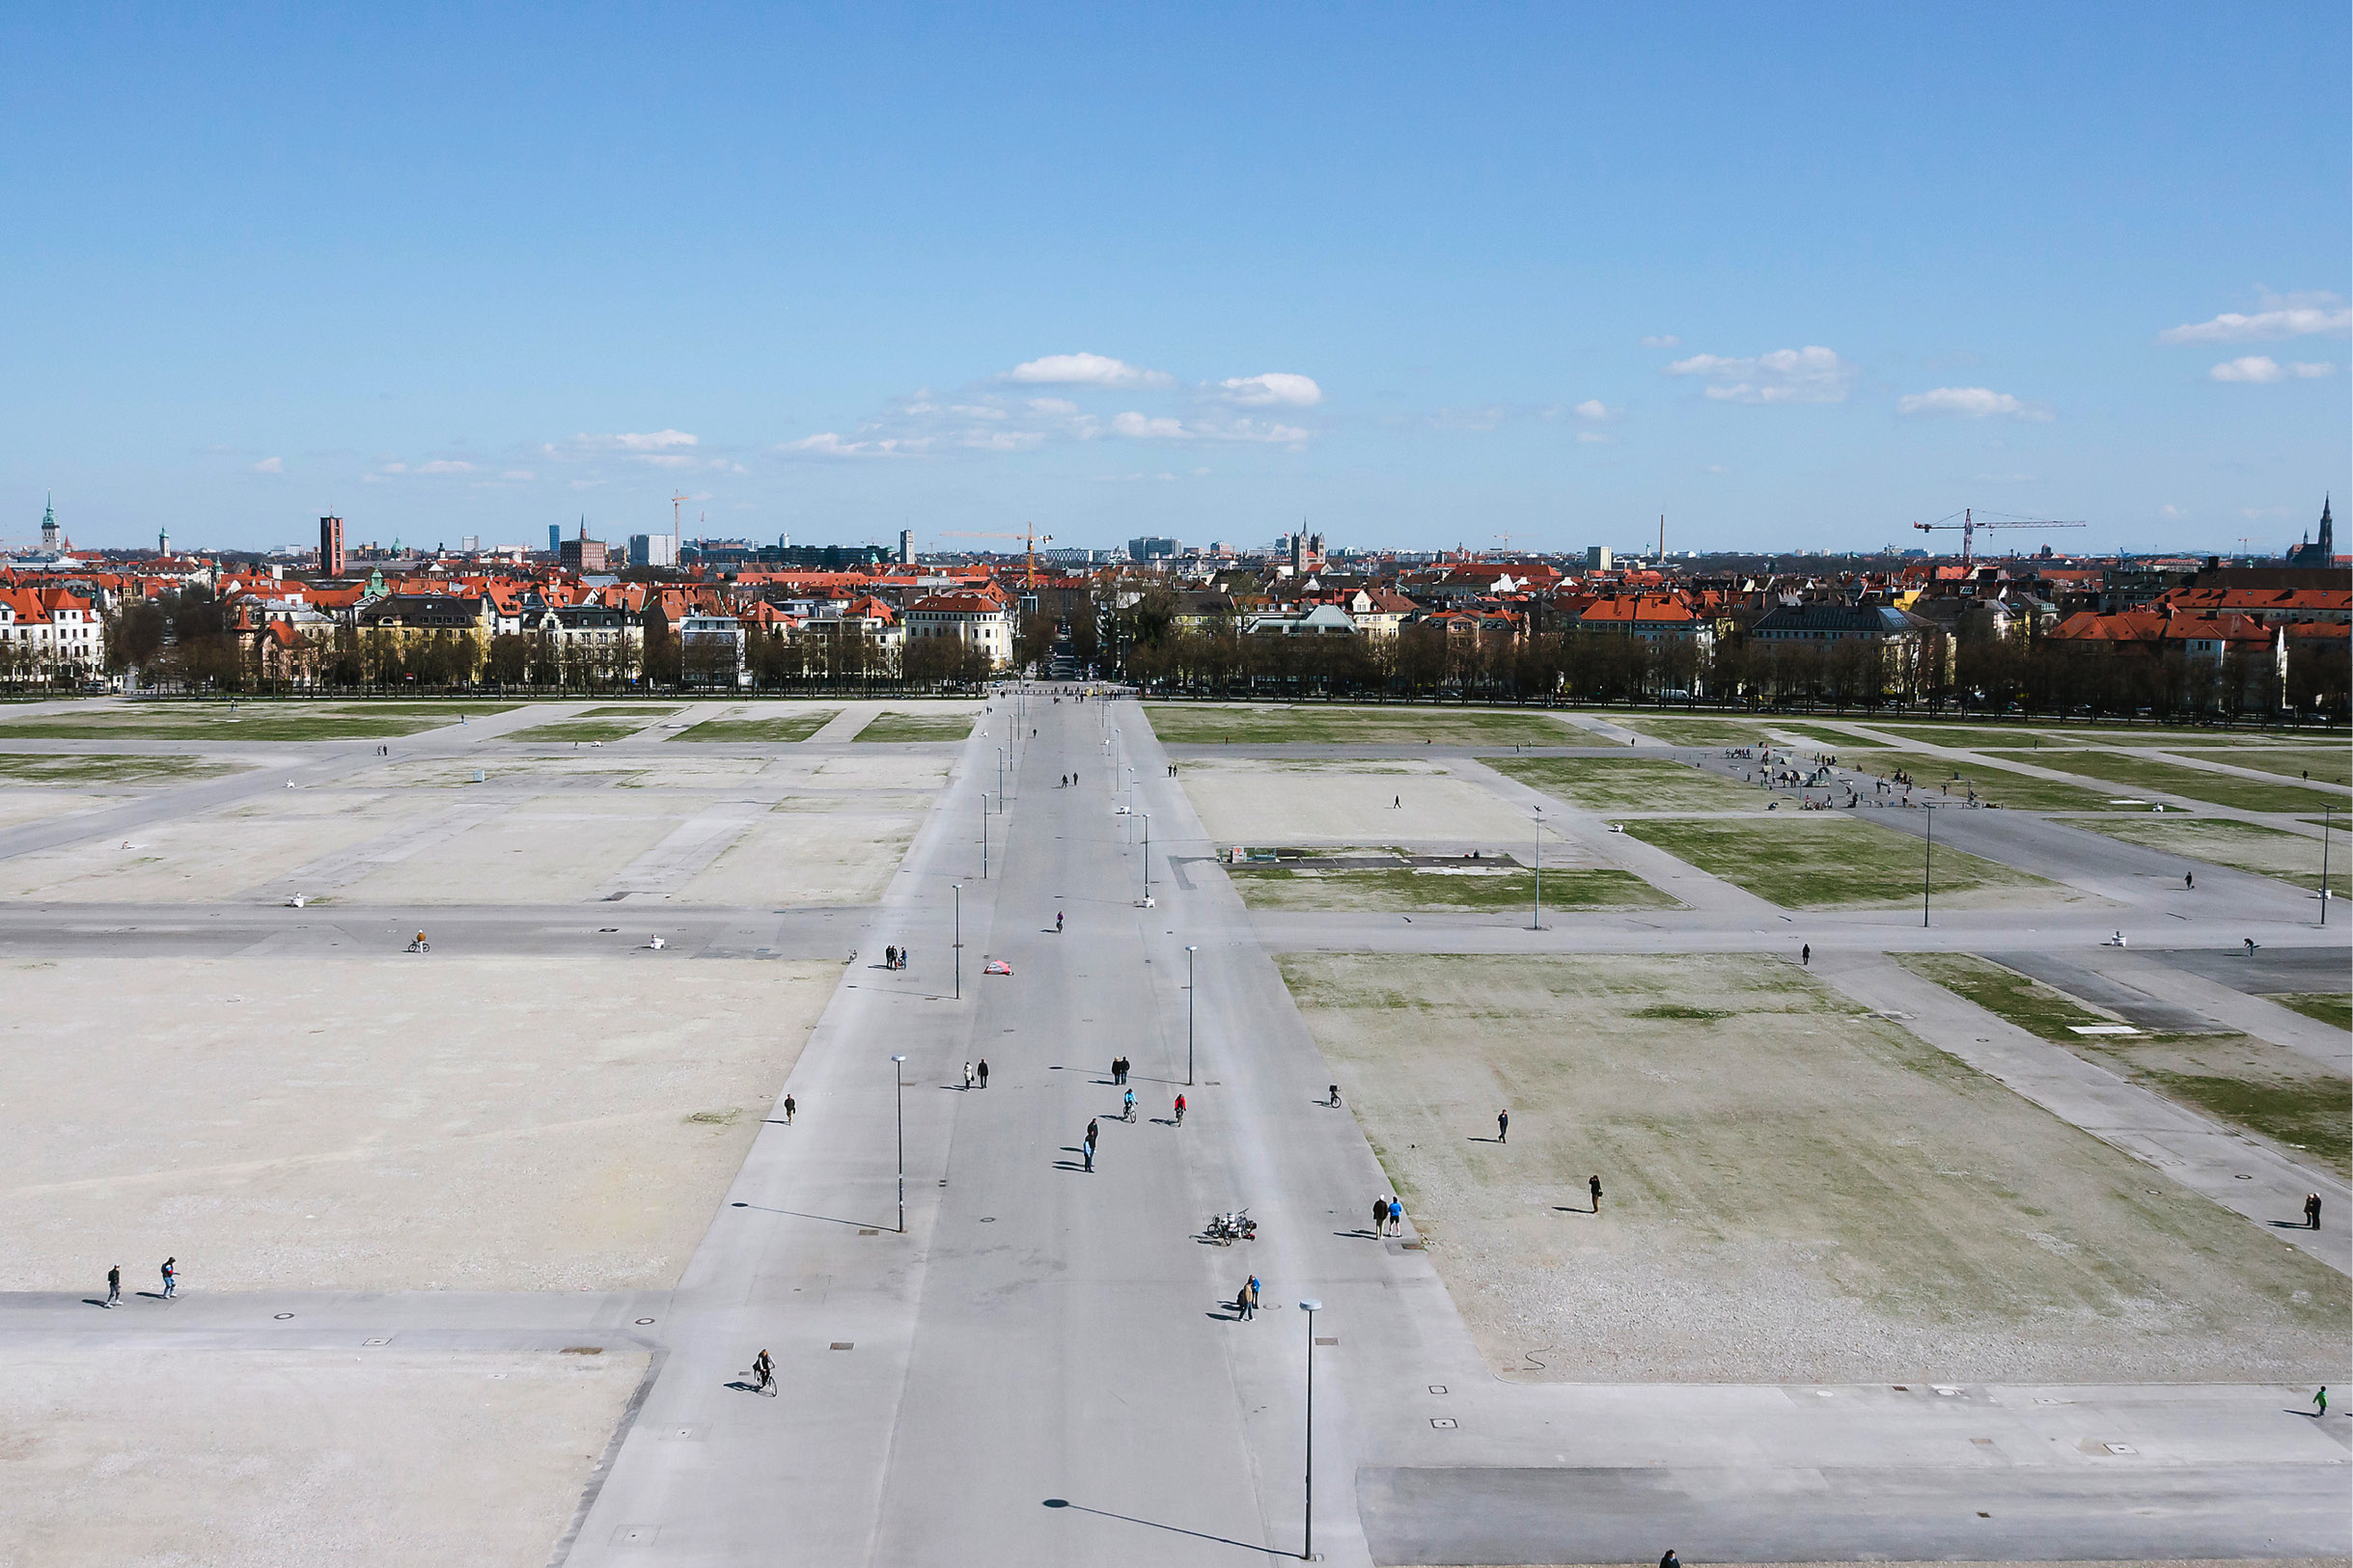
<point>843,1344</point>
<point>870,1233</point>
<point>1443,1423</point>
<point>1321,1340</point>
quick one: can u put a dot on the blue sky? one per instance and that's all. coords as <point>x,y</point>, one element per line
<point>1793,276</point>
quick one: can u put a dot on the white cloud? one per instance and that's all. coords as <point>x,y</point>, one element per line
<point>663,460</point>
<point>1812,374</point>
<point>1087,370</point>
<point>2260,369</point>
<point>1061,407</point>
<point>445,465</point>
<point>1665,340</point>
<point>270,465</point>
<point>1142,427</point>
<point>830,444</point>
<point>1592,408</point>
<point>1276,388</point>
<point>2285,315</point>
<point>647,441</point>
<point>1969,403</point>
<point>1593,438</point>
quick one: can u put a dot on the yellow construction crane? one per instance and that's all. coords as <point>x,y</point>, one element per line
<point>1969,526</point>
<point>1031,539</point>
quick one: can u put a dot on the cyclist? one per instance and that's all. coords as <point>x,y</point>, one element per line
<point>1127,1107</point>
<point>418,946</point>
<point>1179,1110</point>
<point>764,1374</point>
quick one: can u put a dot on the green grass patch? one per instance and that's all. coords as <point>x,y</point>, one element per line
<point>28,768</point>
<point>2310,1114</point>
<point>627,713</point>
<point>2333,1009</point>
<point>760,732</point>
<point>2292,858</point>
<point>2016,999</point>
<point>1629,783</point>
<point>579,731</point>
<point>2139,772</point>
<point>1825,860</point>
<point>1995,784</point>
<point>2298,762</point>
<point>1184,722</point>
<point>893,726</point>
<point>1676,732</point>
<point>1405,889</point>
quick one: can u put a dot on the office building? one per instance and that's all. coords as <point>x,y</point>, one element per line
<point>330,546</point>
<point>653,549</point>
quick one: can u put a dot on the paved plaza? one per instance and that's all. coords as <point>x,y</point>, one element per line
<point>479,1244</point>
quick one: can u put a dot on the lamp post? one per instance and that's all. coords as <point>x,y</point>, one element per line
<point>2328,823</point>
<point>1928,863</point>
<point>957,888</point>
<point>1189,1009</point>
<point>984,832</point>
<point>1307,1518</point>
<point>1147,860</point>
<point>1536,910</point>
<point>1000,777</point>
<point>899,1087</point>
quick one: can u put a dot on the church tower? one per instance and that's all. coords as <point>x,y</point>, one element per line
<point>52,538</point>
<point>2319,552</point>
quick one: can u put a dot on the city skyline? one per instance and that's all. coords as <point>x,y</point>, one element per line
<point>1424,283</point>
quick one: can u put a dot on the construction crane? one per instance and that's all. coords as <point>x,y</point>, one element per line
<point>1969,526</point>
<point>1031,541</point>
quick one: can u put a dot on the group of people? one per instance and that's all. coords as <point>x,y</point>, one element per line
<point>171,1281</point>
<point>895,957</point>
<point>978,1074</point>
<point>1118,1069</point>
<point>1388,1215</point>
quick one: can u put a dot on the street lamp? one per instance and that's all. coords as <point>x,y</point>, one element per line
<point>957,888</point>
<point>1147,860</point>
<point>899,1080</point>
<point>1190,993</point>
<point>1307,1520</point>
<point>2328,823</point>
<point>1535,911</point>
<point>1927,863</point>
<point>985,831</point>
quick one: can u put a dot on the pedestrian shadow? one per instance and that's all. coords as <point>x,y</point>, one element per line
<point>1153,1523</point>
<point>747,1387</point>
<point>151,1295</point>
<point>1476,1138</point>
<point>797,1214</point>
<point>1224,1314</point>
<point>94,1301</point>
<point>1566,1208</point>
<point>1162,1121</point>
<point>2288,1224</point>
<point>1360,1232</point>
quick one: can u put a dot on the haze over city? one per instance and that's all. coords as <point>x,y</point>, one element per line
<point>1793,280</point>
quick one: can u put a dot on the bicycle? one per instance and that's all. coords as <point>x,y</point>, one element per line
<point>420,946</point>
<point>1129,1109</point>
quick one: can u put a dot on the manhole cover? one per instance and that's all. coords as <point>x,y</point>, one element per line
<point>988,1219</point>
<point>376,1341</point>
<point>1442,1423</point>
<point>283,1316</point>
<point>643,1321</point>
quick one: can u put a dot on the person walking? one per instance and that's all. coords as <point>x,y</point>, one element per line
<point>983,1070</point>
<point>1253,1289</point>
<point>1179,1110</point>
<point>789,1107</point>
<point>2320,1401</point>
<point>1243,1306</point>
<point>2311,1211</point>
<point>114,1285</point>
<point>1092,1132</point>
<point>1503,1126</point>
<point>1593,1185</point>
<point>890,957</point>
<point>1058,922</point>
<point>1380,1213</point>
<point>1804,956</point>
<point>1397,1215</point>
<point>170,1278</point>
<point>1671,1561</point>
<point>2189,880</point>
<point>968,1078</point>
